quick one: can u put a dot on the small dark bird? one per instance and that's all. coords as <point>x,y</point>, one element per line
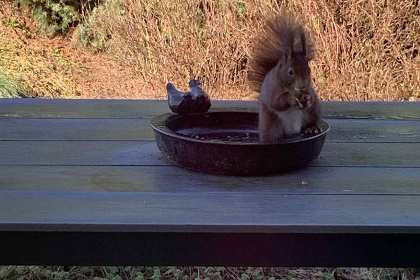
<point>179,102</point>
<point>202,101</point>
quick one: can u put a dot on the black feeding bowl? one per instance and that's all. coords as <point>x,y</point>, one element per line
<point>228,143</point>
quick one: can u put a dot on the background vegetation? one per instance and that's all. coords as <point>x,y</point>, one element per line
<point>55,16</point>
<point>367,50</point>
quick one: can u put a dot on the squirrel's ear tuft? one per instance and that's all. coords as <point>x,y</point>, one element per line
<point>299,42</point>
<point>308,48</point>
<point>287,57</point>
<point>303,42</point>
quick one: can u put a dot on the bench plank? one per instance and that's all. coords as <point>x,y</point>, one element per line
<point>321,180</point>
<point>139,129</point>
<point>83,153</point>
<point>61,108</point>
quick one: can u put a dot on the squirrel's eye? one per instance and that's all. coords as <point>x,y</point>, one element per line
<point>290,72</point>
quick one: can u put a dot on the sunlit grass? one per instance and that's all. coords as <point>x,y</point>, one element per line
<point>202,273</point>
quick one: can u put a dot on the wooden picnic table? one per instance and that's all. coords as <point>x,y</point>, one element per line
<point>82,182</point>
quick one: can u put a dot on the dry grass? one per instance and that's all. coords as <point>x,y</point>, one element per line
<point>177,40</point>
<point>367,50</point>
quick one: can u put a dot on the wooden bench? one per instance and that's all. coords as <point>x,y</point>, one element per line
<point>82,182</point>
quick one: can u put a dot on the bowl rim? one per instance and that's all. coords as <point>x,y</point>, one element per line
<point>158,123</point>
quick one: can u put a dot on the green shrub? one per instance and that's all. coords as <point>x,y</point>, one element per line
<point>55,16</point>
<point>10,88</point>
<point>93,32</point>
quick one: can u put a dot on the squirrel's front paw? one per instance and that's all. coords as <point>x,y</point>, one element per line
<point>312,130</point>
<point>305,99</point>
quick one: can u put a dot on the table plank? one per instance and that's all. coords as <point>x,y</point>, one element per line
<point>208,212</point>
<point>94,108</point>
<point>75,129</point>
<point>65,108</point>
<point>82,153</point>
<point>342,130</point>
<point>369,154</point>
<point>320,180</point>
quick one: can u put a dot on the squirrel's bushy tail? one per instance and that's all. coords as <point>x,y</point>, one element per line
<point>282,35</point>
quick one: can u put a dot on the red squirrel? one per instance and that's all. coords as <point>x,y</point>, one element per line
<point>280,72</point>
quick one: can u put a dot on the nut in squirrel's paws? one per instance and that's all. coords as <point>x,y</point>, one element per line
<point>299,104</point>
<point>312,130</point>
<point>294,102</point>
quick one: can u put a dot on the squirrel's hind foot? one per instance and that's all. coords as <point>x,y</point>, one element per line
<point>312,130</point>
